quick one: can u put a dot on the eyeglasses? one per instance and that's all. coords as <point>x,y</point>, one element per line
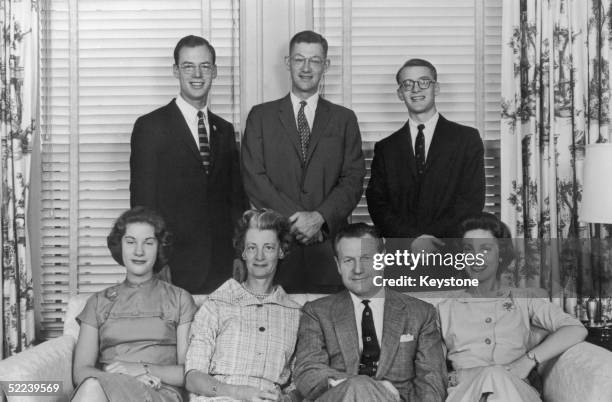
<point>408,85</point>
<point>190,69</point>
<point>298,60</point>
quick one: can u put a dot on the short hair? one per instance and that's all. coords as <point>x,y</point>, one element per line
<point>499,230</point>
<point>308,37</point>
<point>417,63</point>
<point>193,41</point>
<point>261,219</point>
<point>140,215</point>
<point>357,231</point>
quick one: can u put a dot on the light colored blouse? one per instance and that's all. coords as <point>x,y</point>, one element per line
<point>241,340</point>
<point>488,331</point>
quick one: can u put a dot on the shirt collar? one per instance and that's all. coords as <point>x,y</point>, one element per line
<point>377,298</point>
<point>188,110</point>
<point>311,102</point>
<point>232,292</point>
<point>429,124</point>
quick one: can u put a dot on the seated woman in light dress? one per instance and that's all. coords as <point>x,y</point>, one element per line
<point>133,335</point>
<point>242,340</point>
<point>486,329</point>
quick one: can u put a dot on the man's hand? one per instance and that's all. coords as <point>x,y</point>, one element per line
<point>306,226</point>
<point>391,389</point>
<point>426,243</point>
<point>129,368</point>
<point>521,367</point>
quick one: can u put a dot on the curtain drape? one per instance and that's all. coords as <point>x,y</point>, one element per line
<point>555,99</point>
<point>18,113</point>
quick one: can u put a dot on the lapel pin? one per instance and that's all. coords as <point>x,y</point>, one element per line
<point>214,127</point>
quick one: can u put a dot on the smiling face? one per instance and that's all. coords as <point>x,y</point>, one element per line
<point>195,84</point>
<point>421,103</point>
<point>307,63</point>
<point>262,250</point>
<point>355,260</point>
<point>480,241</point>
<point>139,251</point>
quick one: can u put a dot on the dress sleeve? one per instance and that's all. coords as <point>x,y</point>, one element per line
<point>187,307</point>
<point>547,315</point>
<point>202,338</point>
<point>89,315</point>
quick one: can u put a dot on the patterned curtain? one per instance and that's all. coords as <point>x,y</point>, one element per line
<point>555,99</point>
<point>19,99</point>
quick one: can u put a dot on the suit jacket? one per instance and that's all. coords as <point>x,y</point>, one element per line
<point>200,210</point>
<point>328,347</point>
<point>330,182</point>
<point>453,186</point>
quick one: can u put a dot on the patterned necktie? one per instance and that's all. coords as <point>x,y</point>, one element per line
<point>419,152</point>
<point>303,129</point>
<point>204,145</point>
<point>371,348</point>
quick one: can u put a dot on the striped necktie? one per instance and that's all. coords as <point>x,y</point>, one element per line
<point>303,130</point>
<point>419,152</point>
<point>204,144</point>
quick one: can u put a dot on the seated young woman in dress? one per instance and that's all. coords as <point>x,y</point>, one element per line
<point>242,340</point>
<point>133,335</point>
<point>486,329</point>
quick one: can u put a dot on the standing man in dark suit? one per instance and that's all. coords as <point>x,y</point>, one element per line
<point>428,175</point>
<point>301,156</point>
<point>184,164</point>
<point>368,343</point>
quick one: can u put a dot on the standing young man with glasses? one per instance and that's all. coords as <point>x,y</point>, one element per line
<point>301,156</point>
<point>184,164</point>
<point>428,175</point>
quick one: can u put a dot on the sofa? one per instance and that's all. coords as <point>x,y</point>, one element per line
<point>583,373</point>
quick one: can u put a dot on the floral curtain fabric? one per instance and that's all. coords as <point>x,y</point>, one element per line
<point>555,99</point>
<point>18,105</point>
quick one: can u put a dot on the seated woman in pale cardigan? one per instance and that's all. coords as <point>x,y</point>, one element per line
<point>243,338</point>
<point>486,328</point>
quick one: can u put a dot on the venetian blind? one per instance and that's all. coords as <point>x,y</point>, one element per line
<point>369,41</point>
<point>104,64</point>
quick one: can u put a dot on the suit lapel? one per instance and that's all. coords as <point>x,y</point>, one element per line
<point>215,139</point>
<point>343,317</point>
<point>182,130</point>
<point>287,118</point>
<point>393,325</point>
<point>406,151</point>
<point>440,137</point>
<point>322,115</point>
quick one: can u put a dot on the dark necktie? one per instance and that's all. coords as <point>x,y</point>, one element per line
<point>419,150</point>
<point>303,129</point>
<point>204,145</point>
<point>371,348</point>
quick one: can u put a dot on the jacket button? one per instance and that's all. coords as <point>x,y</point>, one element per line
<point>488,320</point>
<point>488,341</point>
<point>261,329</point>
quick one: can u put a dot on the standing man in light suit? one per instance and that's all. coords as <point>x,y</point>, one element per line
<point>184,164</point>
<point>368,343</point>
<point>301,156</point>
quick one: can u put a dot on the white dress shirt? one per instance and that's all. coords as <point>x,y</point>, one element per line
<point>190,114</point>
<point>309,109</point>
<point>428,131</point>
<point>377,304</point>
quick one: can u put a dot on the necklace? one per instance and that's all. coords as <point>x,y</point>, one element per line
<point>259,296</point>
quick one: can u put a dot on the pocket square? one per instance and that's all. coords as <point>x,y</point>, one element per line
<point>406,338</point>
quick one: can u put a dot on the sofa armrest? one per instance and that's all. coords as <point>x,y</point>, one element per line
<point>582,373</point>
<point>49,361</point>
